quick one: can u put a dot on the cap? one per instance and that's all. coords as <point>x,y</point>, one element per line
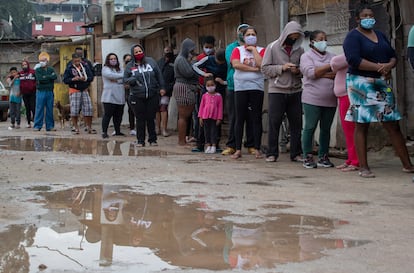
<point>43,55</point>
<point>242,26</point>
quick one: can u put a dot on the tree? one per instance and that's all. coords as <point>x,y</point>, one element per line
<point>22,13</point>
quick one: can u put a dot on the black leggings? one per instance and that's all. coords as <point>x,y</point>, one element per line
<point>244,100</point>
<point>114,111</point>
<point>145,111</point>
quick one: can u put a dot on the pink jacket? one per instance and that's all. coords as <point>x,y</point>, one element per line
<point>340,66</point>
<point>211,107</point>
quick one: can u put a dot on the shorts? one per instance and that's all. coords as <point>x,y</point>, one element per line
<point>164,101</point>
<point>80,101</point>
<point>184,94</point>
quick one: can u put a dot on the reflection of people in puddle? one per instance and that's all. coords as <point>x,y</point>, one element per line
<point>242,250</point>
<point>111,212</point>
<point>149,220</point>
<point>198,232</point>
<point>112,205</point>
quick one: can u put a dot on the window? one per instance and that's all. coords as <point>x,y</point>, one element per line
<point>58,28</point>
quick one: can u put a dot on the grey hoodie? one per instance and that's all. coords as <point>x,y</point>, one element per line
<point>145,80</point>
<point>276,56</point>
<point>183,69</point>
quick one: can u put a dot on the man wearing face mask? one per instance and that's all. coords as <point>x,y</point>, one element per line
<point>281,65</point>
<point>28,91</point>
<point>208,50</point>
<point>45,78</point>
<point>78,76</point>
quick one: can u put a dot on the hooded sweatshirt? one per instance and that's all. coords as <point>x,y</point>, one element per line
<point>27,80</point>
<point>145,80</point>
<point>183,69</point>
<point>276,56</point>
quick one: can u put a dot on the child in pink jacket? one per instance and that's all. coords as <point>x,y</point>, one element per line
<point>210,114</point>
<point>340,66</point>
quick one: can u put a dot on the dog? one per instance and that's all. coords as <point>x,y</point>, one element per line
<point>63,113</point>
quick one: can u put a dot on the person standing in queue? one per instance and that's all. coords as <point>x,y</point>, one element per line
<point>371,59</point>
<point>249,89</point>
<point>166,64</point>
<point>146,84</point>
<point>79,76</point>
<point>185,87</point>
<point>281,65</point>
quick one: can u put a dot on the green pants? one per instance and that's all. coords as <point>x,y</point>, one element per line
<point>312,115</point>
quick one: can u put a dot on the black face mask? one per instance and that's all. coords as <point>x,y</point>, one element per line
<point>169,55</point>
<point>289,41</point>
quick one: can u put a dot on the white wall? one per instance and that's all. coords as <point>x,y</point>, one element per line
<point>119,47</point>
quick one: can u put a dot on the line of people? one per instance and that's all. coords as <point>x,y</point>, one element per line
<point>304,86</point>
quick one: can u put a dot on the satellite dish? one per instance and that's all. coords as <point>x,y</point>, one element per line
<point>94,13</point>
<point>5,28</point>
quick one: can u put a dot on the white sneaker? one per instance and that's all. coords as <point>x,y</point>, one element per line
<point>113,133</point>
<point>208,150</point>
<point>133,133</point>
<point>213,150</point>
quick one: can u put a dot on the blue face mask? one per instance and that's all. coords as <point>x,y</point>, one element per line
<point>320,46</point>
<point>367,23</point>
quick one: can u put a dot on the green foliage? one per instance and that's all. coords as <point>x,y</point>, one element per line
<point>21,12</point>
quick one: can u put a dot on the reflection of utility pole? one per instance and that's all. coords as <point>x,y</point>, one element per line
<point>107,245</point>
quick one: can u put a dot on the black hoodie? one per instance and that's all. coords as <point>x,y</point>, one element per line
<point>145,80</point>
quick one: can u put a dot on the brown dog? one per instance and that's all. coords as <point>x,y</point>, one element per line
<point>63,113</point>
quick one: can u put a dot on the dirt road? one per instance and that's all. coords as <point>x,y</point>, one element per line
<point>378,213</point>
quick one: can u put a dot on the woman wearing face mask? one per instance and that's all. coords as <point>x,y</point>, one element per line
<point>371,58</point>
<point>249,89</point>
<point>113,94</point>
<point>185,87</point>
<point>146,82</point>
<point>318,99</point>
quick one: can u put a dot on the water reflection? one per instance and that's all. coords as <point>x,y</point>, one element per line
<point>77,146</point>
<point>126,231</point>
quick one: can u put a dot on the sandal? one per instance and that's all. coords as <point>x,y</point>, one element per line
<point>236,155</point>
<point>258,154</point>
<point>366,173</point>
<point>271,158</point>
<point>408,170</point>
<point>350,168</point>
<point>342,166</point>
<point>92,131</point>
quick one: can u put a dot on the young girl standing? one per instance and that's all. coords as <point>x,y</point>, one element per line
<point>13,81</point>
<point>210,114</point>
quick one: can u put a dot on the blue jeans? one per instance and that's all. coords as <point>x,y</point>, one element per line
<point>44,101</point>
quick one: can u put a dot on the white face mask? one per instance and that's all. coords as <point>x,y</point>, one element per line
<point>320,46</point>
<point>250,40</point>
<point>207,50</point>
<point>43,64</point>
<point>211,88</point>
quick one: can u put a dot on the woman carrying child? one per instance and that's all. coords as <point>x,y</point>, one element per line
<point>210,114</point>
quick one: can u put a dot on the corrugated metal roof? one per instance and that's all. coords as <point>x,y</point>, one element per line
<point>207,10</point>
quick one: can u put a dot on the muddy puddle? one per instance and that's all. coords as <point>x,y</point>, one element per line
<point>106,228</point>
<point>77,146</point>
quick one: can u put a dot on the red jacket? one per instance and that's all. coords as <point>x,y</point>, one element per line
<point>27,80</point>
